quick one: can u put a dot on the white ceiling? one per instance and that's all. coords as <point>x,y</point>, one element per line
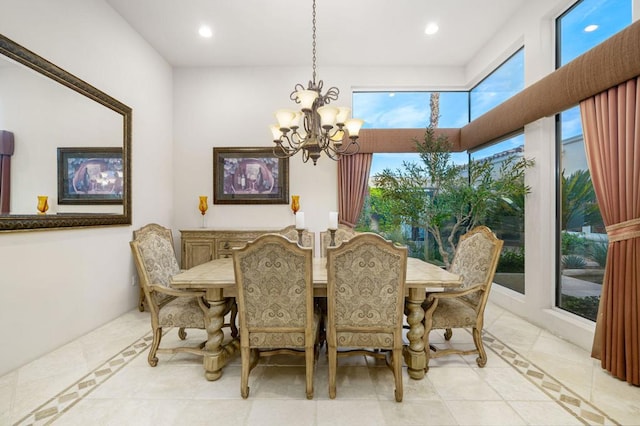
<point>349,32</point>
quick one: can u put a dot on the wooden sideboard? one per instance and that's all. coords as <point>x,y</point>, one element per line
<point>202,245</point>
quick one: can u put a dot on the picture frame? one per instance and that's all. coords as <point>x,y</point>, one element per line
<point>249,176</point>
<point>90,175</point>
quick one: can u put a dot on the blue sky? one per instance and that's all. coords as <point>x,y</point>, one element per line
<point>384,110</point>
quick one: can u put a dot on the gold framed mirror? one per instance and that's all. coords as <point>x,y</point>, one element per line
<point>87,118</point>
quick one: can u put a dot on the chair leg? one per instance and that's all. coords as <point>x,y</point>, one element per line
<point>232,320</point>
<point>397,373</point>
<point>427,349</point>
<point>477,339</point>
<point>157,336</point>
<point>182,333</point>
<point>245,353</point>
<point>447,334</point>
<point>141,301</point>
<point>332,353</point>
<point>310,362</point>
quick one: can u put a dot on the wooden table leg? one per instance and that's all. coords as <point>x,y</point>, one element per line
<point>216,354</point>
<point>414,354</point>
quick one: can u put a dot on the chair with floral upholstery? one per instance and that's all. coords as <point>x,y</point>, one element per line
<point>343,233</point>
<point>475,259</point>
<point>365,298</point>
<point>155,261</point>
<point>275,303</point>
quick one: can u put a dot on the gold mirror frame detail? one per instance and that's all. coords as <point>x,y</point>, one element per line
<point>24,222</point>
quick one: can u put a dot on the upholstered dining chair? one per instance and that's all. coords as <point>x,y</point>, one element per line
<point>155,260</point>
<point>308,238</point>
<point>274,278</point>
<point>475,259</point>
<point>365,298</point>
<point>343,233</point>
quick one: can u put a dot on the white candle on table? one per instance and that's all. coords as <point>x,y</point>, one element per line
<point>333,220</point>
<point>299,220</point>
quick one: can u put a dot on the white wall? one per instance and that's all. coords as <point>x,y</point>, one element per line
<point>58,285</point>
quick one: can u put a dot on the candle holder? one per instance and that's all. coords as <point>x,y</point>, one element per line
<point>300,236</point>
<point>43,204</point>
<point>332,232</point>
<point>203,206</point>
<point>295,203</point>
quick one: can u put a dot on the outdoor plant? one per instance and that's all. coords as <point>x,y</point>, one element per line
<point>511,260</point>
<point>448,199</point>
<point>579,205</point>
<point>574,243</point>
<point>598,252</point>
<point>572,261</point>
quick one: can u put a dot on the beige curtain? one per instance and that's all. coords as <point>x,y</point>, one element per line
<point>353,179</point>
<point>611,124</point>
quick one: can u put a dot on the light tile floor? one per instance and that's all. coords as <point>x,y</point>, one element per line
<point>103,378</point>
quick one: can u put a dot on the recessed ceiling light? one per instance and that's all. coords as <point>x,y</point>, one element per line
<point>431,28</point>
<point>205,31</point>
<point>590,28</point>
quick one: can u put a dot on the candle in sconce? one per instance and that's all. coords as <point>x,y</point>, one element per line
<point>333,220</point>
<point>299,220</point>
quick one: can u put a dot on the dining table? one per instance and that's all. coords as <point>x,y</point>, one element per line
<point>217,279</point>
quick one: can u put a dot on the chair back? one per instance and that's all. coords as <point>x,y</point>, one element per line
<point>365,292</point>
<point>154,257</point>
<point>274,292</point>
<point>476,259</point>
<point>343,233</point>
<point>308,238</point>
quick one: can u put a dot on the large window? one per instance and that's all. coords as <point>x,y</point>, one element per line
<point>406,216</point>
<point>507,216</point>
<point>582,240</point>
<point>408,110</point>
<point>504,82</point>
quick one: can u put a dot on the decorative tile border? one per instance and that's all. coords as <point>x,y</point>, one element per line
<point>51,410</point>
<point>582,409</point>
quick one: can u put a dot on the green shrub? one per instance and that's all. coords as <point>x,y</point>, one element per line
<point>598,252</point>
<point>574,244</point>
<point>586,307</point>
<point>571,261</point>
<point>511,260</point>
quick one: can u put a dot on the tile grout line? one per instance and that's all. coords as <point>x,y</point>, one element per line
<point>552,387</point>
<point>53,408</point>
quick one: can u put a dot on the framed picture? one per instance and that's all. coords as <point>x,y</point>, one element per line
<point>249,176</point>
<point>90,175</point>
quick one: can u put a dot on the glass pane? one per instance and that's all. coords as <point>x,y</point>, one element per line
<point>500,85</point>
<point>507,218</point>
<point>384,110</point>
<point>409,110</point>
<point>582,241</point>
<point>589,23</point>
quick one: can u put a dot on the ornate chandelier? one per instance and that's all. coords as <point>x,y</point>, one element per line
<point>323,125</point>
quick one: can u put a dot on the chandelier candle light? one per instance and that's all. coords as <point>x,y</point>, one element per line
<point>323,125</point>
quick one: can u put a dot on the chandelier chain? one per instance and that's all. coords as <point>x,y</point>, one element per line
<point>313,44</point>
<point>322,128</point>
